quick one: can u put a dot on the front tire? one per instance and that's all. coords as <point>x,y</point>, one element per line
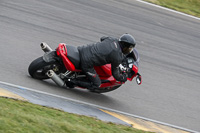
<point>38,68</point>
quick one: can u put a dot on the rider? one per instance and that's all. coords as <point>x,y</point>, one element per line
<point>108,51</point>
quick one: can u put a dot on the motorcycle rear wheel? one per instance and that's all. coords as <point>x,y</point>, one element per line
<point>38,68</point>
<point>104,90</point>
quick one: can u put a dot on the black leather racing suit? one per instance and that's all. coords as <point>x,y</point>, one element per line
<point>107,51</point>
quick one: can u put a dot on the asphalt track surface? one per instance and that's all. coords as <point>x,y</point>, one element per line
<point>168,44</point>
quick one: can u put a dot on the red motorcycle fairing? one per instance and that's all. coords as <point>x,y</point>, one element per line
<point>105,74</point>
<point>135,70</point>
<point>104,71</point>
<point>62,53</point>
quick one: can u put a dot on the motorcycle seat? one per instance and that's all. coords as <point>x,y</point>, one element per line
<point>73,55</point>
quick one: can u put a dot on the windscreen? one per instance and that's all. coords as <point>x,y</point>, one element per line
<point>135,55</point>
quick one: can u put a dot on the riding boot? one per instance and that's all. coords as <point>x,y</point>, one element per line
<point>84,84</point>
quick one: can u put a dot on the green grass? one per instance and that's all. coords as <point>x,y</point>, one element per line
<point>24,117</point>
<point>191,7</point>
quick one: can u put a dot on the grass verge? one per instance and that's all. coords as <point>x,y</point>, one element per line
<point>191,7</point>
<point>24,117</point>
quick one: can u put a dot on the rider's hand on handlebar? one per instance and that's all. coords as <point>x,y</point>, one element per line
<point>124,69</point>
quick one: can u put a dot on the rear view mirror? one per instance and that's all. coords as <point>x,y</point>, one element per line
<point>139,79</point>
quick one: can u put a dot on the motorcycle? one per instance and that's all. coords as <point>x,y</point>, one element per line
<point>63,64</point>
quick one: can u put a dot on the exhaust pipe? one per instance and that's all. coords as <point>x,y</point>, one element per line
<point>51,74</point>
<point>45,47</point>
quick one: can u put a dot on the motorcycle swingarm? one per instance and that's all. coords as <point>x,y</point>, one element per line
<point>50,56</point>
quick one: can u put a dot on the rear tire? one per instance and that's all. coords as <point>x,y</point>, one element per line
<point>38,68</point>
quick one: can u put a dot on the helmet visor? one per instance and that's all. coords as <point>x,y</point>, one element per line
<point>127,50</point>
<point>129,45</point>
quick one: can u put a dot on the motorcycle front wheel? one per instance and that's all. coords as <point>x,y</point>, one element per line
<point>38,68</point>
<point>104,90</point>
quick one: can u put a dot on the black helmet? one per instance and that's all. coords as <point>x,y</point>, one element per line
<point>127,41</point>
